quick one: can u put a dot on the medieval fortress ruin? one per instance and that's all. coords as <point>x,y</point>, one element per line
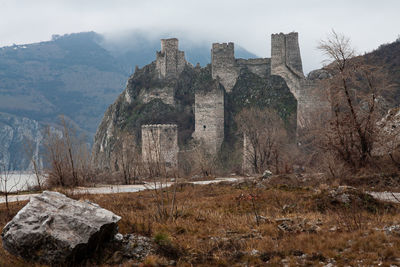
<point>285,61</point>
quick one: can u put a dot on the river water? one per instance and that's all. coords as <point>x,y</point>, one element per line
<point>17,181</point>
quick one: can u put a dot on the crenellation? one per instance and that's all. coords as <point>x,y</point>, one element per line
<point>286,60</point>
<point>285,55</point>
<point>223,64</point>
<point>170,62</point>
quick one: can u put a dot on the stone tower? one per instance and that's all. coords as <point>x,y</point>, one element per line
<point>170,62</point>
<point>223,64</point>
<point>160,144</point>
<point>313,107</point>
<point>209,114</point>
<point>286,60</point>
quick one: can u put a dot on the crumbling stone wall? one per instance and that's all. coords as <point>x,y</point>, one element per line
<point>312,104</point>
<point>170,62</point>
<point>286,60</point>
<point>226,68</point>
<point>313,107</point>
<point>160,144</point>
<point>166,94</point>
<point>259,66</point>
<point>209,117</point>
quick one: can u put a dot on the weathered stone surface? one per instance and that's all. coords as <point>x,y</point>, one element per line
<point>319,74</point>
<point>389,133</point>
<point>55,229</point>
<point>128,247</point>
<point>209,114</point>
<point>266,174</point>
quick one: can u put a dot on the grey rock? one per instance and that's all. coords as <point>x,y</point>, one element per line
<point>128,247</point>
<point>319,74</point>
<point>54,229</point>
<point>392,230</point>
<point>16,133</point>
<point>266,174</point>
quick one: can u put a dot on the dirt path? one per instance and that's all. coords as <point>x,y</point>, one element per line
<point>115,189</point>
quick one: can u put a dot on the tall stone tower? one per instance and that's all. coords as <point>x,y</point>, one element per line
<point>286,60</point>
<point>223,64</point>
<point>209,117</point>
<point>170,62</point>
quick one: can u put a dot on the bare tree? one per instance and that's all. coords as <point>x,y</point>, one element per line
<point>264,137</point>
<point>32,152</point>
<point>128,158</point>
<point>354,87</point>
<point>67,156</point>
<point>203,161</point>
<point>7,184</point>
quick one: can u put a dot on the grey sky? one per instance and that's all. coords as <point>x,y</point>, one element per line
<point>248,23</point>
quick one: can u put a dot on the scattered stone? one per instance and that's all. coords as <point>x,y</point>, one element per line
<point>283,219</point>
<point>262,219</point>
<point>130,247</point>
<point>333,229</point>
<point>288,208</point>
<point>343,194</point>
<point>266,174</point>
<point>392,230</point>
<point>254,252</point>
<point>298,225</point>
<point>54,229</point>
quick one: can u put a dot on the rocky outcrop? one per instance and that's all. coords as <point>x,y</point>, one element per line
<point>186,98</point>
<point>20,140</point>
<point>54,229</point>
<point>388,140</point>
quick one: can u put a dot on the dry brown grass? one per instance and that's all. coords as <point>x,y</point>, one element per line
<point>216,226</point>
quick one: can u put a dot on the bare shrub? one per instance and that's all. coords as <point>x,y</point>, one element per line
<point>36,164</point>
<point>354,87</point>
<point>7,185</point>
<point>203,161</point>
<point>67,156</point>
<point>264,139</point>
<point>128,159</point>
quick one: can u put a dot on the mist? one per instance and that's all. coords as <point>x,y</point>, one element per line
<point>249,24</point>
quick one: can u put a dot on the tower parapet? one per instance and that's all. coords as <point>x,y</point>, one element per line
<point>223,64</point>
<point>286,60</point>
<point>285,52</point>
<point>170,61</point>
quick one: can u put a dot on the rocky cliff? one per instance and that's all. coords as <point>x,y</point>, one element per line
<point>147,100</point>
<point>20,140</point>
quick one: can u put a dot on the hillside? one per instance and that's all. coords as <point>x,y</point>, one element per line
<point>144,101</point>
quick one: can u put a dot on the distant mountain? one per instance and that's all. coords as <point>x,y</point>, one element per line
<point>74,75</point>
<point>78,75</point>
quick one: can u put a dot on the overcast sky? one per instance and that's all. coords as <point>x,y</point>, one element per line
<point>248,23</point>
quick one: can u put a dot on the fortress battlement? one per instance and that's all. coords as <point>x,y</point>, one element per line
<point>222,46</point>
<point>170,44</point>
<point>170,61</point>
